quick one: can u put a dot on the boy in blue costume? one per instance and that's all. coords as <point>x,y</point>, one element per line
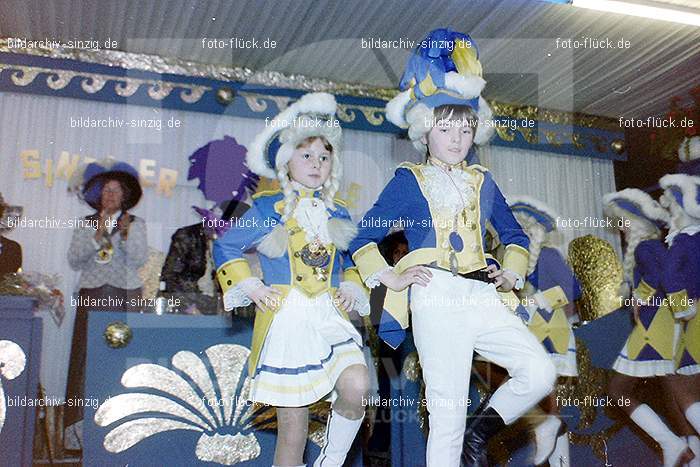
<point>444,206</point>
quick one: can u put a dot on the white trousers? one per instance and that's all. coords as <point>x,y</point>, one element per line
<point>452,318</point>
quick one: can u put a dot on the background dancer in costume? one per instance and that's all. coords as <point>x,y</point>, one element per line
<point>455,307</point>
<point>304,346</point>
<point>648,351</point>
<point>682,283</point>
<point>553,287</point>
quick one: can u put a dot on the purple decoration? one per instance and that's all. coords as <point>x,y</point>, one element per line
<point>221,170</point>
<point>212,223</point>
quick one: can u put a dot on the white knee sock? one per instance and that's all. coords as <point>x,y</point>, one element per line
<point>672,445</point>
<point>546,438</point>
<point>560,455</point>
<point>340,433</point>
<point>692,414</point>
<point>694,443</point>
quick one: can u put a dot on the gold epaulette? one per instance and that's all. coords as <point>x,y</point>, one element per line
<point>408,165</point>
<point>266,193</point>
<point>478,167</point>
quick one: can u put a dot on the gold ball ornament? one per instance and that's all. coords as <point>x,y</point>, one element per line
<point>618,146</point>
<point>225,95</point>
<point>118,335</point>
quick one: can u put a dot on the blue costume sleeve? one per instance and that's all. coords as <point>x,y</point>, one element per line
<point>244,236</point>
<point>681,274</point>
<point>509,231</point>
<point>342,213</point>
<point>552,270</point>
<point>648,262</point>
<point>391,206</point>
<point>502,219</point>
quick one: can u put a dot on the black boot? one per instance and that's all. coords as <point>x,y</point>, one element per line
<point>482,427</point>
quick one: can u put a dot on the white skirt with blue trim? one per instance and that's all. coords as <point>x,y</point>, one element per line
<point>308,346</point>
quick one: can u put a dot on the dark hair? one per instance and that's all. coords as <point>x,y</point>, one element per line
<point>457,112</point>
<point>390,243</point>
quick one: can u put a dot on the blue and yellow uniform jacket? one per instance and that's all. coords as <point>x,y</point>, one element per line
<point>404,203</point>
<point>682,273</point>
<point>559,286</point>
<point>282,272</point>
<point>652,337</point>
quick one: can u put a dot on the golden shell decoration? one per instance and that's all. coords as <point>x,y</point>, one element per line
<point>599,270</point>
<point>12,364</point>
<point>177,405</point>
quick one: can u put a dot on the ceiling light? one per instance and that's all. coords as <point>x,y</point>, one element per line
<point>645,9</point>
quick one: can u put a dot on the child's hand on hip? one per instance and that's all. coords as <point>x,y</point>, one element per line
<point>266,298</point>
<point>503,282</point>
<point>343,300</point>
<point>414,275</point>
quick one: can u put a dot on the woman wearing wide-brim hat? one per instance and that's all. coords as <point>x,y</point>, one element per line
<point>108,247</point>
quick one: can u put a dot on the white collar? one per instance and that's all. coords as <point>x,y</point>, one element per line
<point>690,230</point>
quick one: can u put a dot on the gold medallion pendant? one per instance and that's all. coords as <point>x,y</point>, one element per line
<point>315,255</point>
<point>105,253</point>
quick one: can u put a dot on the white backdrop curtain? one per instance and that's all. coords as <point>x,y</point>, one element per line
<point>572,186</point>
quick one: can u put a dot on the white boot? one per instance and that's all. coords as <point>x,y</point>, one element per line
<point>560,455</point>
<point>674,448</point>
<point>694,443</point>
<point>340,433</point>
<point>546,438</point>
<point>692,414</point>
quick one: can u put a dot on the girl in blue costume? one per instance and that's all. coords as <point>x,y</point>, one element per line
<point>444,206</point>
<point>682,284</point>
<point>304,346</point>
<point>649,349</point>
<point>551,289</point>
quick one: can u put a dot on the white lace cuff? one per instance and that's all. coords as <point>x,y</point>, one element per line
<point>542,302</point>
<point>518,280</point>
<point>361,304</point>
<point>373,280</point>
<point>237,295</point>
<point>688,313</point>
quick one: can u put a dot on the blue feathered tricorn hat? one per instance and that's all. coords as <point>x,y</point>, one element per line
<point>535,209</point>
<point>443,69</point>
<point>685,189</point>
<point>312,115</point>
<point>89,179</point>
<point>632,202</point>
